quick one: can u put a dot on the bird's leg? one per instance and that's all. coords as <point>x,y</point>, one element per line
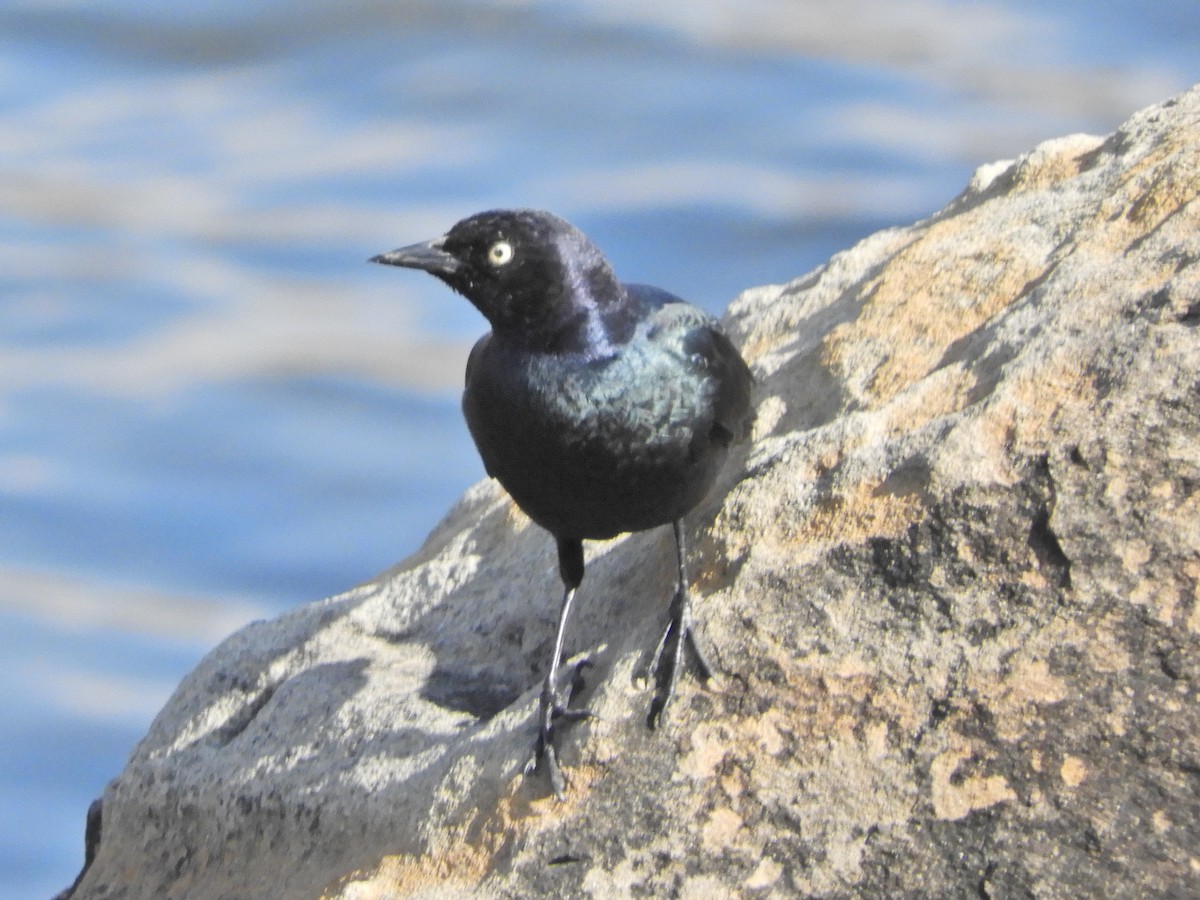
<point>552,706</point>
<point>680,631</point>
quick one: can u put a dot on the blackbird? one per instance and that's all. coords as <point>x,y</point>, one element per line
<point>601,407</point>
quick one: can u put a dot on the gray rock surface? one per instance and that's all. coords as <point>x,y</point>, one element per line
<point>954,587</point>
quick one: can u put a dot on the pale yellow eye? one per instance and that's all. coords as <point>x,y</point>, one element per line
<point>500,253</point>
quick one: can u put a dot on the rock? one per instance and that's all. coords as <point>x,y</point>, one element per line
<point>953,587</point>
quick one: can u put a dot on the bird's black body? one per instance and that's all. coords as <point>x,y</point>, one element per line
<point>601,407</point>
<point>625,440</point>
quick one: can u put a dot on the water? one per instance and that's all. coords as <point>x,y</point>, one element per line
<point>211,409</point>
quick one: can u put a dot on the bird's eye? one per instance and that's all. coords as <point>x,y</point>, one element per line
<point>500,253</point>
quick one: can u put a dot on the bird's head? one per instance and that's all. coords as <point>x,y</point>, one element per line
<point>536,278</point>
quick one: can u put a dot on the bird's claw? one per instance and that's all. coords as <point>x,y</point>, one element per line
<point>551,710</point>
<point>544,755</point>
<point>667,660</point>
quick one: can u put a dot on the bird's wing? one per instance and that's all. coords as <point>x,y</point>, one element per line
<point>702,340</point>
<point>733,412</point>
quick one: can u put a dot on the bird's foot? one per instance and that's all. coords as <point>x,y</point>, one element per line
<point>552,709</point>
<point>667,661</point>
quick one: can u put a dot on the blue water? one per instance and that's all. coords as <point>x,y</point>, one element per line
<point>211,408</point>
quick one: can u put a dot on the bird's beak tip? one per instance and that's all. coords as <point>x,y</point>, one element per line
<point>428,256</point>
<point>402,257</point>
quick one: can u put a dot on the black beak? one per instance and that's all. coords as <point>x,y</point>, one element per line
<point>428,256</point>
